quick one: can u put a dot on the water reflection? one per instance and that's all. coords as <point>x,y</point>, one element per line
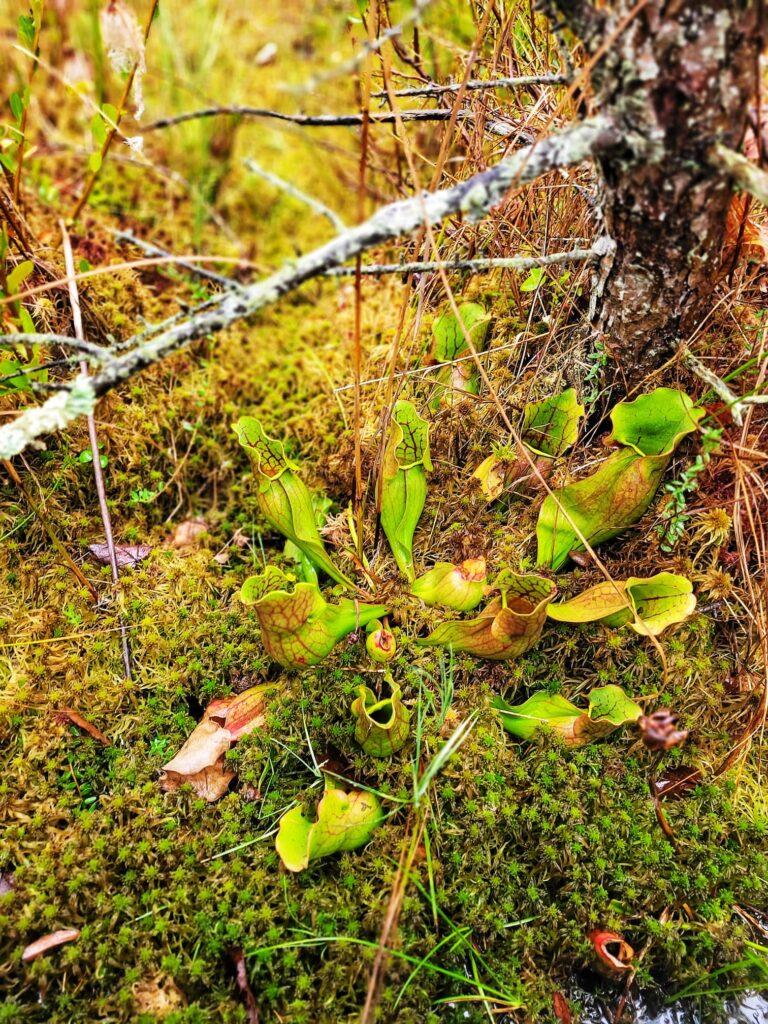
<point>598,1007</point>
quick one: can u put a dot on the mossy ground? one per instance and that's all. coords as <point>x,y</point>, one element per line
<point>526,848</point>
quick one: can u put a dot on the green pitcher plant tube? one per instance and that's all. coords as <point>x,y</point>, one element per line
<point>404,482</point>
<point>549,429</point>
<point>382,722</point>
<point>458,377</point>
<point>298,626</point>
<point>345,821</point>
<point>613,498</point>
<point>283,497</point>
<point>608,709</point>
<point>647,605</point>
<point>507,627</point>
<point>460,587</point>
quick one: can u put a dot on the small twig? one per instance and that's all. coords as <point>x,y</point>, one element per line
<point>477,265</point>
<point>296,193</point>
<point>303,120</point>
<point>57,544</point>
<point>476,84</point>
<point>424,370</point>
<point>155,250</point>
<point>77,320</point>
<point>29,371</point>
<point>369,46</point>
<point>721,389</point>
<point>661,817</point>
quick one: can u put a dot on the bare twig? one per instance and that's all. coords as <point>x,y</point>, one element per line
<point>426,370</point>
<point>77,320</point>
<point>155,250</point>
<point>302,120</point>
<point>476,265</point>
<point>43,520</point>
<point>97,351</point>
<point>721,389</point>
<point>296,193</point>
<point>477,84</point>
<point>369,46</point>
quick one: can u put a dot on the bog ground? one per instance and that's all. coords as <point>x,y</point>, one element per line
<point>550,797</point>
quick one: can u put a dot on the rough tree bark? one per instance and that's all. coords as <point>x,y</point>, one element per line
<point>683,74</point>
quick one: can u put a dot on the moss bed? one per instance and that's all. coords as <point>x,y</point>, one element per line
<point>526,848</point>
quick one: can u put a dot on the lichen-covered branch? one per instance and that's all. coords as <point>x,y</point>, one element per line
<point>472,198</point>
<point>58,412</point>
<point>475,266</point>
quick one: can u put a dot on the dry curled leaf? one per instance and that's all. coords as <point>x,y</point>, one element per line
<point>659,730</point>
<point>676,783</point>
<point>614,953</point>
<point>187,533</point>
<point>125,554</point>
<point>51,941</point>
<point>201,761</point>
<point>241,977</point>
<point>70,715</point>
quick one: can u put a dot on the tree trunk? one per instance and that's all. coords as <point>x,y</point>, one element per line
<point>682,73</point>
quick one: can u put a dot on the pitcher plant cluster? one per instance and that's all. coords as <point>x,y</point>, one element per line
<point>300,627</point>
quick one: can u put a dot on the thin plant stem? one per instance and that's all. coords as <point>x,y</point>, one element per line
<point>57,544</point>
<point>357,344</point>
<point>25,111</point>
<point>77,321</point>
<point>93,176</point>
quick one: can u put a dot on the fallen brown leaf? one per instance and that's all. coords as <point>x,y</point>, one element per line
<point>42,945</point>
<point>125,554</point>
<point>241,977</point>
<point>70,715</point>
<point>187,533</point>
<point>742,231</point>
<point>676,783</point>
<point>201,761</point>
